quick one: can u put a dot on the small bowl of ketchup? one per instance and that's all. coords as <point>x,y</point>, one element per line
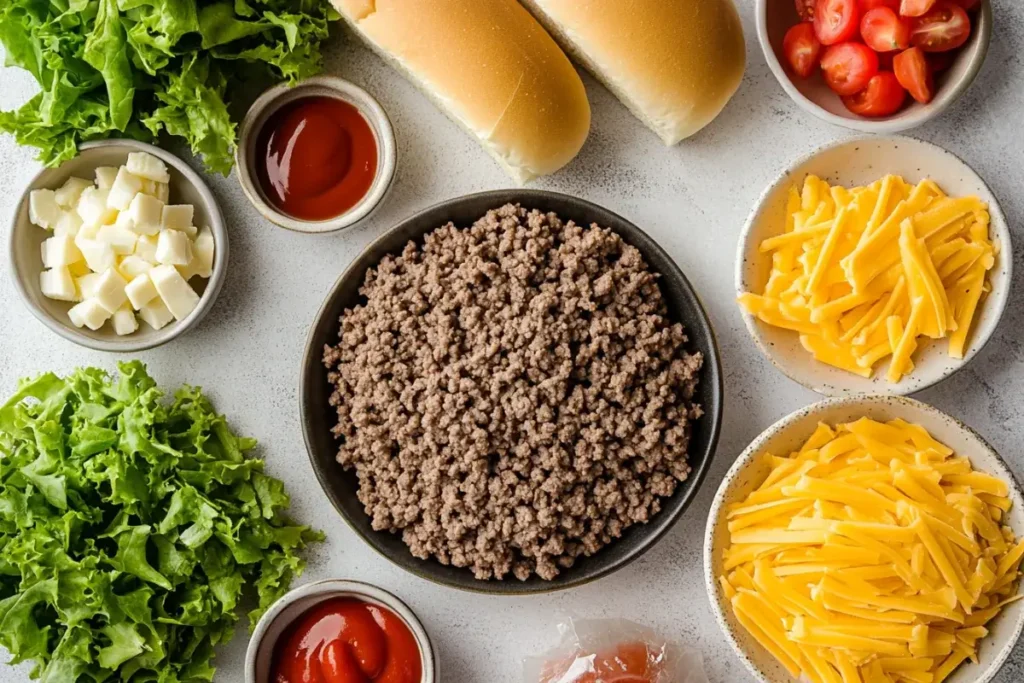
<point>316,157</point>
<point>337,631</point>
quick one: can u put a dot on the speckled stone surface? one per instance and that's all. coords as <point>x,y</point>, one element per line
<point>692,198</point>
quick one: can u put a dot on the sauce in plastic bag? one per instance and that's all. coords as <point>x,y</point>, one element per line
<point>631,662</point>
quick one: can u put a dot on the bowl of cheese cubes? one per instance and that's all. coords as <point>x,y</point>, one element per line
<point>121,248</point>
<point>874,265</point>
<point>868,538</point>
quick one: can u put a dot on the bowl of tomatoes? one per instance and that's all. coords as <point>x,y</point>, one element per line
<point>877,66</point>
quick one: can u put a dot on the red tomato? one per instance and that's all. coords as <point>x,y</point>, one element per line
<point>885,60</point>
<point>802,49</point>
<point>836,21</point>
<point>968,5</point>
<point>913,73</point>
<point>915,8</point>
<point>868,5</point>
<point>945,27</point>
<point>883,97</point>
<point>848,67</point>
<point>884,31</point>
<point>805,8</point>
<point>940,61</point>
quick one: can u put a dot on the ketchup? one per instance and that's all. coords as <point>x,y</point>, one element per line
<point>316,158</point>
<point>345,640</point>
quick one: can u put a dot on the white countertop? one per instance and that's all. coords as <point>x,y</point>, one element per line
<point>692,198</point>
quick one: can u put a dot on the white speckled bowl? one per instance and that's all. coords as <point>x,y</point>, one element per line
<point>323,86</point>
<point>775,17</point>
<point>787,435</point>
<point>186,187</point>
<point>860,162</point>
<point>277,619</point>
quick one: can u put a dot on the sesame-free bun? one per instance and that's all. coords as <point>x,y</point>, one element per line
<point>491,67</point>
<point>674,63</point>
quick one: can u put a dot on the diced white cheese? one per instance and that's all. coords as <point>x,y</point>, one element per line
<point>110,290</point>
<point>105,176</point>
<point>86,232</point>
<point>132,266</point>
<point>79,268</point>
<point>140,291</point>
<point>179,217</point>
<point>174,248</point>
<point>60,250</point>
<point>161,191</point>
<point>43,209</point>
<point>68,194</point>
<point>57,283</point>
<point>92,207</point>
<point>175,291</point>
<point>99,255</point>
<point>124,220</point>
<point>89,314</point>
<point>124,321</point>
<point>202,253</point>
<point>148,166</point>
<point>87,284</point>
<point>145,248</point>
<point>124,189</point>
<point>146,213</point>
<point>68,224</point>
<point>120,239</point>
<point>156,314</point>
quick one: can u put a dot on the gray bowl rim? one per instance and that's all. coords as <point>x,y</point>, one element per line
<point>328,587</point>
<point>699,327</point>
<point>172,330</point>
<point>757,445</point>
<point>995,210</point>
<point>371,109</point>
<point>943,100</point>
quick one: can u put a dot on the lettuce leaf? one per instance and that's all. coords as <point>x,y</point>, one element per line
<point>140,68</point>
<point>131,528</point>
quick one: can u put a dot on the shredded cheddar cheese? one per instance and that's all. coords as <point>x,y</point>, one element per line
<point>861,274</point>
<point>873,553</point>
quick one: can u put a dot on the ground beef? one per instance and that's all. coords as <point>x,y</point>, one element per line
<point>511,396</point>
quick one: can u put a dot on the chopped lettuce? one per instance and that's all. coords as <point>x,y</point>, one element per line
<point>130,528</point>
<point>135,68</point>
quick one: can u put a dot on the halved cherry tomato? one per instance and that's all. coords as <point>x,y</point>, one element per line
<point>911,68</point>
<point>802,49</point>
<point>848,67</point>
<point>868,5</point>
<point>915,8</point>
<point>883,97</point>
<point>945,27</point>
<point>836,21</point>
<point>968,5</point>
<point>884,31</point>
<point>805,8</point>
<point>940,61</point>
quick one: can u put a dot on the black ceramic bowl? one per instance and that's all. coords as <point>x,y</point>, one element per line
<point>318,417</point>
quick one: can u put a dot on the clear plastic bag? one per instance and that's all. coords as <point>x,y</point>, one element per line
<point>614,651</point>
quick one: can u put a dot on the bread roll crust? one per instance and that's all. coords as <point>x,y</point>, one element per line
<point>491,67</point>
<point>674,63</point>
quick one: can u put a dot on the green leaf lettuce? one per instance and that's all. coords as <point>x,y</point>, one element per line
<point>136,68</point>
<point>131,528</point>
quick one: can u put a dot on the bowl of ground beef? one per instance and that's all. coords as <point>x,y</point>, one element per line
<point>511,392</point>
